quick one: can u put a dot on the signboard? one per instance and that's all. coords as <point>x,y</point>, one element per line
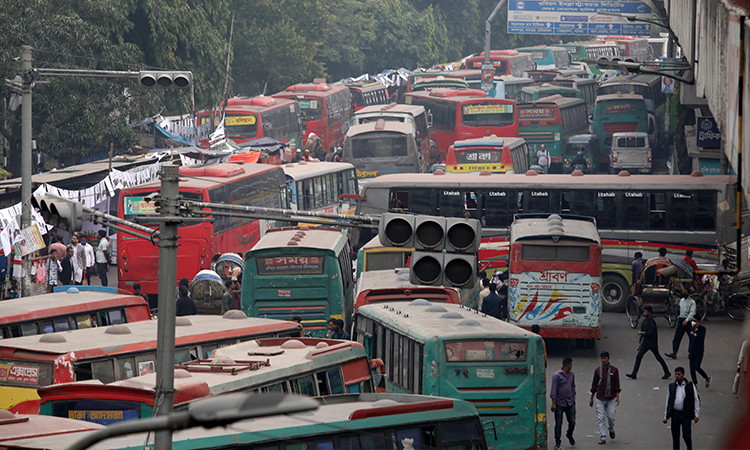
<point>138,206</point>
<point>104,417</point>
<point>667,85</point>
<point>28,240</point>
<point>146,367</point>
<point>240,120</point>
<point>707,134</point>
<point>290,265</point>
<point>487,109</point>
<point>19,374</point>
<point>488,74</point>
<point>577,17</point>
<point>620,108</point>
<point>709,166</point>
<point>536,113</point>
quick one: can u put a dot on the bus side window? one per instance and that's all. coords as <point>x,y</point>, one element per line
<point>424,437</point>
<point>705,211</point>
<point>584,203</point>
<point>606,209</point>
<point>323,387</point>
<point>104,371</point>
<point>680,211</point>
<point>633,210</point>
<point>657,210</point>
<point>334,380</point>
<point>495,211</point>
<point>125,368</point>
<point>83,372</point>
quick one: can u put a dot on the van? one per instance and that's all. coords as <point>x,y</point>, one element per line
<point>630,151</point>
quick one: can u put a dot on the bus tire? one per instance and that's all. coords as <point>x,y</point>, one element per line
<point>615,291</point>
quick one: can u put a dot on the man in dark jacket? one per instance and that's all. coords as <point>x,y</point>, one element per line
<point>683,406</point>
<point>649,341</point>
<point>185,304</point>
<point>696,348</point>
<point>66,274</point>
<point>607,391</point>
<point>493,305</point>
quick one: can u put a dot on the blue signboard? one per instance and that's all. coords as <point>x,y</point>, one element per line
<point>577,17</point>
<point>707,133</point>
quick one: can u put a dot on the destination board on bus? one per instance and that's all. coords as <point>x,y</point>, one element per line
<point>621,108</point>
<point>240,120</point>
<point>536,113</point>
<point>19,374</point>
<point>495,108</point>
<point>296,265</point>
<point>138,206</point>
<point>104,417</point>
<point>478,156</point>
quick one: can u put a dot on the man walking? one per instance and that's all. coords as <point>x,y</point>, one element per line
<point>78,259</point>
<point>649,341</point>
<point>227,300</point>
<point>90,260</point>
<point>683,406</point>
<point>696,348</point>
<point>563,395</point>
<point>493,304</point>
<point>66,267</point>
<point>636,267</point>
<point>185,304</point>
<point>606,387</point>
<point>543,158</point>
<point>687,311</point>
<point>103,257</point>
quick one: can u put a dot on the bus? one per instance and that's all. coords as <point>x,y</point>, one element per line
<point>500,366</point>
<point>593,50</point>
<point>551,121</point>
<point>618,113</point>
<point>555,276</point>
<point>247,119</point>
<point>250,185</point>
<point>465,114</point>
<point>506,62</point>
<point>633,213</point>
<point>118,352</point>
<point>547,57</point>
<point>586,86</point>
<point>416,115</point>
<point>382,147</point>
<point>321,186</point>
<point>300,271</point>
<point>347,421</point>
<point>307,366</point>
<point>512,86</point>
<point>325,110</point>
<point>379,286</point>
<point>531,94</point>
<point>367,93</point>
<point>649,87</point>
<point>63,311</point>
<point>507,155</point>
<point>631,47</point>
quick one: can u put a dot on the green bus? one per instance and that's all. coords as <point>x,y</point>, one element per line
<point>452,351</point>
<point>618,113</point>
<point>533,93</point>
<point>592,50</point>
<point>300,271</point>
<point>551,121</point>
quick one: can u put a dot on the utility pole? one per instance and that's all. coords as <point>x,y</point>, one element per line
<point>26,162</point>
<point>170,190</point>
<point>487,64</point>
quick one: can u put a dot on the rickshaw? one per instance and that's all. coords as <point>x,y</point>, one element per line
<point>661,284</point>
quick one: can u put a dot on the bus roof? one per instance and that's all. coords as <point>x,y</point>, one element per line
<point>303,170</point>
<point>365,86</point>
<point>319,238</point>
<point>386,126</point>
<point>490,141</point>
<point>641,78</point>
<point>618,96</point>
<point>307,90</point>
<point>257,104</point>
<point>14,428</point>
<point>388,279</point>
<point>101,341</point>
<point>501,181</point>
<point>215,175</point>
<point>455,95</point>
<point>525,228</point>
<point>556,99</point>
<point>58,303</point>
<point>392,108</point>
<point>438,323</point>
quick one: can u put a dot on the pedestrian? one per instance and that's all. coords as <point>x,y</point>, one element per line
<point>483,293</point>
<point>687,311</point>
<point>103,258</point>
<point>137,291</point>
<point>78,259</point>
<point>58,245</point>
<point>66,267</point>
<point>563,395</point>
<point>689,259</point>
<point>696,349</point>
<point>227,300</point>
<point>53,270</point>
<point>298,156</point>
<point>606,388</point>
<point>636,267</point>
<point>543,158</point>
<point>683,406</point>
<point>493,304</point>
<point>536,329</point>
<point>337,331</point>
<point>342,332</point>
<point>185,304</point>
<point>648,341</point>
<point>90,260</point>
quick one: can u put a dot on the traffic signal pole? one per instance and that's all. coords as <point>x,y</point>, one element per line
<point>170,190</point>
<point>26,164</point>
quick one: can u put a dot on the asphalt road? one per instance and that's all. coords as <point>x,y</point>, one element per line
<point>639,417</point>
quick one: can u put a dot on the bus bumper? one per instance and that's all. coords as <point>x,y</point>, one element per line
<point>568,332</point>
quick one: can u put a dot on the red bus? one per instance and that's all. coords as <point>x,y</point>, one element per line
<point>307,366</point>
<point>325,110</point>
<point>249,184</point>
<point>465,114</point>
<point>633,48</point>
<point>117,352</point>
<point>256,117</point>
<point>506,62</point>
<point>367,93</point>
<point>378,286</point>
<point>63,311</point>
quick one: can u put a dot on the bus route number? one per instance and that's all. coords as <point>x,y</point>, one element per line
<point>485,373</point>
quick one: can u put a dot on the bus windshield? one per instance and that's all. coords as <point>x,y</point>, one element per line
<point>379,146</point>
<point>311,108</point>
<point>487,114</point>
<point>241,125</point>
<point>644,91</point>
<point>478,156</point>
<point>532,252</point>
<point>485,351</point>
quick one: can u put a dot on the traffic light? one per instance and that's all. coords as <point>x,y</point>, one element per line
<point>59,212</point>
<point>618,63</point>
<point>444,248</point>
<point>165,79</point>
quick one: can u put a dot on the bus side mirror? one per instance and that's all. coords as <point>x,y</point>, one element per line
<point>377,363</point>
<point>429,119</point>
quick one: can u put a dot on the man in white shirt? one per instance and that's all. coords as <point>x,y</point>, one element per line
<point>687,311</point>
<point>90,260</point>
<point>683,406</point>
<point>79,259</point>
<point>484,292</point>
<point>102,257</point>
<point>543,158</point>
